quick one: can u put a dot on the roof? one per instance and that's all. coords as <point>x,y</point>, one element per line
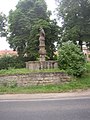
<point>7,52</point>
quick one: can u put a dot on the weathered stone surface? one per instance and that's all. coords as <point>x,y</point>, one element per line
<point>34,79</point>
<point>37,65</point>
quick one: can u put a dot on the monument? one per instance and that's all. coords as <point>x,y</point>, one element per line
<point>42,51</point>
<point>42,63</point>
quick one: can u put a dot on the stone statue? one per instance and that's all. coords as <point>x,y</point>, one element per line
<point>42,33</point>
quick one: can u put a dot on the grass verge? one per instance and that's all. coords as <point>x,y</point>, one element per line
<point>26,71</point>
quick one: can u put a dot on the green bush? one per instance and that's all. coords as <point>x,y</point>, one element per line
<point>71,59</point>
<point>7,62</point>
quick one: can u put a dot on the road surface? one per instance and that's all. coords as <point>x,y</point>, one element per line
<point>64,108</point>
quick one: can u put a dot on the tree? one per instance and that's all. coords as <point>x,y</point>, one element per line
<point>3,21</point>
<point>51,30</point>
<point>24,24</point>
<point>75,20</point>
<point>71,59</point>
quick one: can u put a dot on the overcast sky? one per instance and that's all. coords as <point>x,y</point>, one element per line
<point>7,5</point>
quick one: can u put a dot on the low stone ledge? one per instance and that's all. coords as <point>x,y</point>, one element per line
<point>34,79</point>
<point>38,65</point>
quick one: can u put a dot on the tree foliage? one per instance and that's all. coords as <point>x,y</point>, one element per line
<point>75,16</point>
<point>71,59</point>
<point>24,24</point>
<point>3,21</point>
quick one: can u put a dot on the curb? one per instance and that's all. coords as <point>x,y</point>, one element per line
<point>45,96</point>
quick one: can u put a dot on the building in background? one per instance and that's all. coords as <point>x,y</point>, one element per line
<point>86,53</point>
<point>8,53</point>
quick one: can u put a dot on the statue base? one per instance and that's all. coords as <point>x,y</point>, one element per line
<point>40,65</point>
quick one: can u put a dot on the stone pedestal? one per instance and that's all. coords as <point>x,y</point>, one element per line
<point>42,51</point>
<point>38,65</point>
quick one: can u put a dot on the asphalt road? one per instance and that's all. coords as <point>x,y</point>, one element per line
<point>74,108</point>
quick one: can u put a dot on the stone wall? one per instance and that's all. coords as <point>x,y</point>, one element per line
<point>38,65</point>
<point>34,79</point>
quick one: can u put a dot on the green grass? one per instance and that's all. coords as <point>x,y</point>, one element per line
<point>76,84</point>
<point>26,71</point>
<point>14,71</point>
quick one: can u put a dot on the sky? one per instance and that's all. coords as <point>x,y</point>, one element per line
<point>7,5</point>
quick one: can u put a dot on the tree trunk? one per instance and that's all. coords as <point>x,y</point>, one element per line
<point>80,44</point>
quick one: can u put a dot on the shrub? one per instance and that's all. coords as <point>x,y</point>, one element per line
<point>71,59</point>
<point>11,62</point>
